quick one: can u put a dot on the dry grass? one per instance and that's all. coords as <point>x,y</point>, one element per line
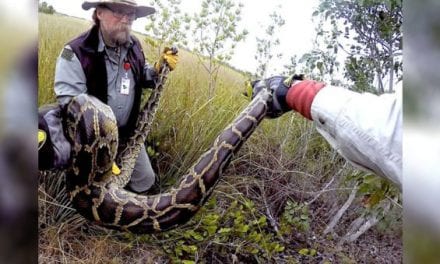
<point>62,245</point>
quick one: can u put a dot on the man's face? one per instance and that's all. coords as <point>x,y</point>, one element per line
<point>116,22</point>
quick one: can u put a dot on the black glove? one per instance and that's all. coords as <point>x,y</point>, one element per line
<point>53,147</point>
<point>279,85</point>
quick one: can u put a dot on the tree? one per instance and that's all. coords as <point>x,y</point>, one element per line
<point>321,63</point>
<point>369,33</point>
<point>291,67</point>
<point>215,35</point>
<point>45,8</point>
<point>267,43</point>
<point>166,25</point>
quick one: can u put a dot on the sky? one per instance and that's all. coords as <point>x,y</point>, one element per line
<point>296,36</point>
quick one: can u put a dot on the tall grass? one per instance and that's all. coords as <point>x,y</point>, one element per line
<point>54,31</point>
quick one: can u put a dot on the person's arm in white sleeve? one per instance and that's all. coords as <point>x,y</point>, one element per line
<point>365,129</point>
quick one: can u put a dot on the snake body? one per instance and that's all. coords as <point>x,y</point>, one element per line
<point>98,194</point>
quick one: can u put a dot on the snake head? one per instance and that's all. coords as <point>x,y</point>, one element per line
<point>276,103</point>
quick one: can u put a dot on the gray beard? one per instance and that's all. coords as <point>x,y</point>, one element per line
<point>117,37</point>
<point>121,38</point>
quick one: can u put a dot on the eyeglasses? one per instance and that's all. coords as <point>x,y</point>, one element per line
<point>119,14</point>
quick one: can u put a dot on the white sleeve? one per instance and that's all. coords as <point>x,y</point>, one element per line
<point>366,129</point>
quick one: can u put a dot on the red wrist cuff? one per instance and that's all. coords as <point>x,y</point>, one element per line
<point>300,96</point>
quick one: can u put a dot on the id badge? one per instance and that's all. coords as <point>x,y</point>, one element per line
<point>125,86</point>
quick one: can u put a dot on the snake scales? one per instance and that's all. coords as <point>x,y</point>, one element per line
<point>97,193</point>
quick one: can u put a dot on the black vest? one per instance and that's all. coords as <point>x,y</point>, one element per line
<point>93,63</point>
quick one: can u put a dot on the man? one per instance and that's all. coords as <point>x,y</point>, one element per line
<point>108,63</point>
<point>365,129</point>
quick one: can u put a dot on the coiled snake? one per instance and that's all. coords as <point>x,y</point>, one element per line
<point>98,194</point>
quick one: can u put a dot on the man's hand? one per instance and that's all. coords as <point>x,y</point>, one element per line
<point>169,57</point>
<point>279,85</point>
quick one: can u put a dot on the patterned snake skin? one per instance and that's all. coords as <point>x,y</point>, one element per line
<point>98,194</point>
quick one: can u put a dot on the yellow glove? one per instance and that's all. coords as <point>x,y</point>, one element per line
<point>169,56</point>
<point>115,169</point>
<point>41,138</point>
<point>248,93</point>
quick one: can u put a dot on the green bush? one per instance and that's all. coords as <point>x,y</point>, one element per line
<point>237,229</point>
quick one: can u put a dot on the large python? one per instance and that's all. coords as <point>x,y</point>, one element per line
<point>98,194</point>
